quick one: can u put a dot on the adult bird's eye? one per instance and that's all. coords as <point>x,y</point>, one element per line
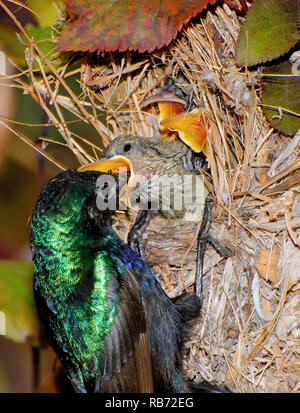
<point>127,147</point>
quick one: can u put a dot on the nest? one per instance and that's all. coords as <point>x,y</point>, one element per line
<point>247,336</point>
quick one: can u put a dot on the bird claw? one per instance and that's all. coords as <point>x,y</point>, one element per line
<point>135,236</point>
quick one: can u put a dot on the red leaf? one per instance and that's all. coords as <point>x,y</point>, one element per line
<point>97,25</point>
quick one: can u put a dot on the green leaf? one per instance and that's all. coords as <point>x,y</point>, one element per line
<point>282,92</point>
<point>11,45</point>
<point>19,318</point>
<point>46,11</point>
<point>43,38</point>
<point>272,29</point>
<point>39,28</point>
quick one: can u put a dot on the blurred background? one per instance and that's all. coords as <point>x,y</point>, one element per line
<point>25,358</point>
<point>20,362</point>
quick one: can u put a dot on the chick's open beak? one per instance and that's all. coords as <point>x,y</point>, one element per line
<point>191,129</point>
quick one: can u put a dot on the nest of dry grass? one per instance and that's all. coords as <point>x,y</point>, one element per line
<point>247,336</point>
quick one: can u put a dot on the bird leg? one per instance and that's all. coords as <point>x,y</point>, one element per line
<point>136,233</point>
<point>142,221</point>
<point>220,249</point>
<point>201,245</point>
<point>205,238</point>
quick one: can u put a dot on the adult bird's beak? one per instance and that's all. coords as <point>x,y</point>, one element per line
<point>116,165</point>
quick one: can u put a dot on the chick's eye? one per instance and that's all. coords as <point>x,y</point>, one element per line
<point>127,147</point>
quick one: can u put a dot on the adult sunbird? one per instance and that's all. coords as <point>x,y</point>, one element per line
<point>107,317</point>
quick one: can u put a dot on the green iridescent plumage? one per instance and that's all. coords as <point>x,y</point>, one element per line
<point>105,314</point>
<point>75,286</point>
<point>94,294</point>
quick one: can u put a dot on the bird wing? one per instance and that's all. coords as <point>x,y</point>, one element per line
<point>125,360</point>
